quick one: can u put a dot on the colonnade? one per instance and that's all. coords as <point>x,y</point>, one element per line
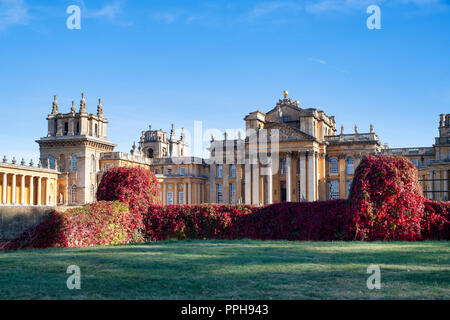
<point>304,179</point>
<point>192,192</point>
<point>26,189</point>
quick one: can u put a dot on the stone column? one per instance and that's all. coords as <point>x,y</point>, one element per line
<point>302,158</point>
<point>438,185</point>
<point>288,177</point>
<point>46,192</point>
<point>316,176</point>
<point>190,193</point>
<point>255,184</point>
<point>31,191</point>
<point>22,190</point>
<point>248,185</point>
<point>311,177</point>
<point>5,188</point>
<point>446,185</point>
<point>164,200</point>
<point>13,190</point>
<point>269,183</point>
<point>432,185</point>
<point>226,185</point>
<point>238,183</point>
<point>175,191</point>
<point>185,193</point>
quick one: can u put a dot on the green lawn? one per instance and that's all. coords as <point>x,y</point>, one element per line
<point>231,270</point>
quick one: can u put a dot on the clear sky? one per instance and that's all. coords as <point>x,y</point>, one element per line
<point>160,62</point>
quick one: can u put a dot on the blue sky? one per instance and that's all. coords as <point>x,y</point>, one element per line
<point>163,62</point>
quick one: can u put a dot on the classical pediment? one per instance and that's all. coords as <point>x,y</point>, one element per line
<point>286,133</point>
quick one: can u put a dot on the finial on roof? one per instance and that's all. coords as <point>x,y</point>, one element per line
<point>31,163</point>
<point>285,93</point>
<point>371,128</point>
<point>342,129</point>
<point>5,160</point>
<point>356,128</point>
<point>225,136</point>
<point>100,108</point>
<point>297,103</point>
<point>22,163</point>
<point>82,104</point>
<point>182,134</point>
<point>55,105</point>
<point>212,137</point>
<point>73,110</point>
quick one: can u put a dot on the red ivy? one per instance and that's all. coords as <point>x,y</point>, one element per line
<point>101,223</point>
<point>135,186</point>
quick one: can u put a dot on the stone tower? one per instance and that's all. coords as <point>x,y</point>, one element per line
<point>156,144</point>
<point>73,145</point>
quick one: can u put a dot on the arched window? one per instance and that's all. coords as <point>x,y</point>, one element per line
<point>92,164</point>
<point>51,162</point>
<point>74,163</point>
<point>349,165</point>
<point>73,194</point>
<point>150,153</point>
<point>334,168</point>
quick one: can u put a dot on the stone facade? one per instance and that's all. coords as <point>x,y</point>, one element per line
<point>303,158</point>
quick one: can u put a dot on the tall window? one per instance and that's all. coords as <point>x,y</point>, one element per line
<point>349,186</point>
<point>334,166</point>
<point>169,197</point>
<point>73,194</point>
<point>92,164</point>
<point>232,193</point>
<point>219,171</point>
<point>219,193</point>
<point>334,189</point>
<point>233,171</point>
<point>283,166</point>
<point>66,128</point>
<point>350,165</point>
<point>107,165</point>
<point>74,163</point>
<point>181,197</point>
<point>181,171</point>
<point>51,162</point>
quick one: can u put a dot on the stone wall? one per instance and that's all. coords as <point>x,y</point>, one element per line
<point>15,220</point>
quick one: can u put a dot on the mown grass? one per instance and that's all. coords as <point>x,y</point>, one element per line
<point>231,270</point>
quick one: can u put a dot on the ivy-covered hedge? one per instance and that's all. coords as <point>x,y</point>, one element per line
<point>194,221</point>
<point>320,220</point>
<point>101,223</point>
<point>385,203</point>
<point>386,199</point>
<point>435,222</point>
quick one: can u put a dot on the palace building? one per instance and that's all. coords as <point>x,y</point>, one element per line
<point>302,157</point>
